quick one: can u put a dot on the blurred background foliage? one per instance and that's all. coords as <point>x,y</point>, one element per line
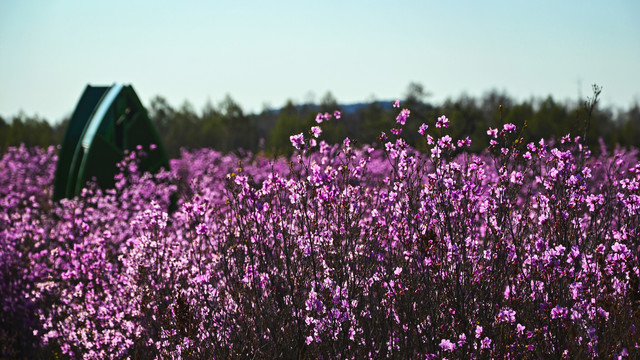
<point>226,127</point>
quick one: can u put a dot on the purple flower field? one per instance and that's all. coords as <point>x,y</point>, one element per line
<point>526,251</point>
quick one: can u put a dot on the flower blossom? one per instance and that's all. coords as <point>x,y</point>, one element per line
<point>445,142</point>
<point>316,131</point>
<point>297,140</point>
<point>478,331</point>
<point>397,271</point>
<point>442,122</point>
<point>558,312</point>
<point>447,345</point>
<point>509,128</point>
<point>402,117</point>
<point>423,129</point>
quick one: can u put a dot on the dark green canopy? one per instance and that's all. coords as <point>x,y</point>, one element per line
<point>107,121</point>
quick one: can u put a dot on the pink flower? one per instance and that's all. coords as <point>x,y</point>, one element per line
<point>506,315</point>
<point>423,129</point>
<point>388,146</point>
<point>402,117</point>
<point>201,229</point>
<point>558,312</point>
<point>396,104</point>
<point>337,114</point>
<point>429,140</point>
<point>445,142</point>
<point>516,177</point>
<point>397,271</point>
<point>466,142</point>
<point>297,140</point>
<point>316,131</point>
<point>442,122</point>
<point>509,128</point>
<point>478,331</point>
<point>462,339</point>
<point>447,345</point>
<point>486,343</point>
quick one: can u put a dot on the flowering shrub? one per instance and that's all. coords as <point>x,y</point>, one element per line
<point>524,251</point>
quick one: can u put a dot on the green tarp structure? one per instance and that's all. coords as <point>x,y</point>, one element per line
<point>107,121</point>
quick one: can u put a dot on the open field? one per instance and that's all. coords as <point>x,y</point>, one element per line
<point>527,250</point>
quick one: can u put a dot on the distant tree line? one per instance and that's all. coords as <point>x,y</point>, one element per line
<point>226,127</point>
<point>29,130</point>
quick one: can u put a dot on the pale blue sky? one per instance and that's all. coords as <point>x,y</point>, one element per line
<point>270,51</point>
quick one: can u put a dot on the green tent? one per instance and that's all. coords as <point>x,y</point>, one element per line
<point>107,121</point>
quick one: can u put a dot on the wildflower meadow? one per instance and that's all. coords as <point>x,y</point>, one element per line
<point>527,250</point>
